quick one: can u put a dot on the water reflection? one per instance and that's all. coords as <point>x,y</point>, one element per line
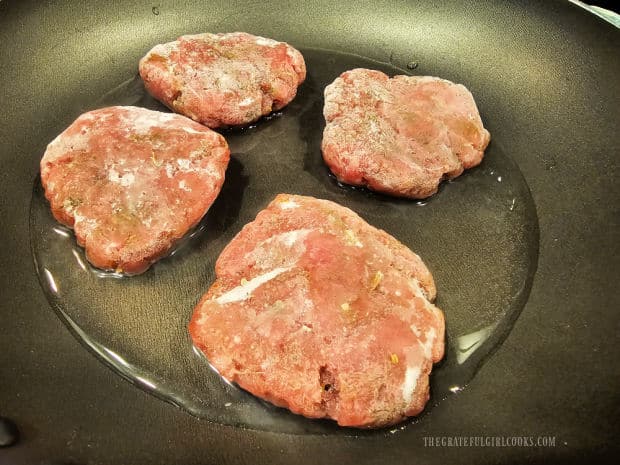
<point>467,344</point>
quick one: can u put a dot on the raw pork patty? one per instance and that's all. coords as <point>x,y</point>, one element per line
<point>131,182</point>
<point>223,79</point>
<point>315,310</point>
<point>400,136</point>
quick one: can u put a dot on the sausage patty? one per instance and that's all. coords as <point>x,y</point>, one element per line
<point>400,136</point>
<point>315,310</point>
<point>223,79</point>
<point>131,182</point>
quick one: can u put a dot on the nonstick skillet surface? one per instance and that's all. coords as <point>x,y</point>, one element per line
<point>545,79</point>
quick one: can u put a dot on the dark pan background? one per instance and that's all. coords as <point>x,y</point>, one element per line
<point>550,72</point>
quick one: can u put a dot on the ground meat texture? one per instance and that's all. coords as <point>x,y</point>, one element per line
<point>400,136</point>
<point>317,311</point>
<point>223,79</point>
<point>131,182</point>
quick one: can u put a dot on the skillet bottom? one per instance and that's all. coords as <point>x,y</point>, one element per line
<point>478,235</point>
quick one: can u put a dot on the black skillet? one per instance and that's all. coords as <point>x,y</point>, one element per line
<point>545,76</point>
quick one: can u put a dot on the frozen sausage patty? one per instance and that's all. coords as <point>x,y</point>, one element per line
<point>400,136</point>
<point>315,310</point>
<point>131,182</point>
<point>223,79</point>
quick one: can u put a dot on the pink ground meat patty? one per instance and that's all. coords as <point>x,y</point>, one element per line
<point>131,182</point>
<point>223,79</point>
<point>400,136</point>
<point>317,311</point>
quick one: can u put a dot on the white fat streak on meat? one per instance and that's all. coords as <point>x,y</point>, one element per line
<point>340,90</point>
<point>247,101</point>
<point>291,237</point>
<point>263,255</point>
<point>164,49</point>
<point>245,290</point>
<point>352,239</point>
<point>209,37</point>
<point>86,225</point>
<point>288,204</point>
<point>185,165</point>
<point>190,130</point>
<point>412,373</point>
<point>431,334</point>
<point>427,345</point>
<point>241,77</point>
<point>266,42</point>
<point>125,179</point>
<point>111,247</point>
<point>55,141</point>
<point>223,79</point>
<point>62,144</point>
<point>291,53</point>
<point>142,121</point>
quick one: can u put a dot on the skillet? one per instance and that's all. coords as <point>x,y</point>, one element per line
<point>545,78</point>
